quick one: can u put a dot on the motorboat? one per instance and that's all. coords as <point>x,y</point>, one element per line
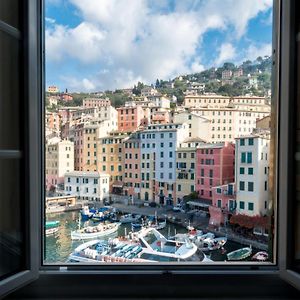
<point>260,256</point>
<point>211,244</point>
<point>93,232</point>
<point>87,213</point>
<point>147,245</point>
<point>240,254</point>
<point>102,214</point>
<point>129,218</point>
<point>51,227</point>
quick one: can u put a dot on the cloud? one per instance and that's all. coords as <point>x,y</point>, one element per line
<point>50,20</point>
<point>146,39</point>
<point>83,85</point>
<point>255,51</point>
<point>226,53</point>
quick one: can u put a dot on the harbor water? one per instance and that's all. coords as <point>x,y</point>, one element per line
<point>59,246</point>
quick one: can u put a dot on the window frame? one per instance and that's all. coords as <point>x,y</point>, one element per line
<point>243,274</point>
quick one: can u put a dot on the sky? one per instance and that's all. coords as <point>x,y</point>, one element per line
<point>98,45</point>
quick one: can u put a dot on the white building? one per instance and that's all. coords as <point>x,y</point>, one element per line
<point>198,126</point>
<point>59,160</point>
<point>148,91</point>
<point>251,174</point>
<point>158,163</point>
<point>159,101</point>
<point>93,186</point>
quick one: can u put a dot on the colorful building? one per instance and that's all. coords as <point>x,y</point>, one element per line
<point>59,160</point>
<point>110,159</point>
<point>96,102</point>
<point>215,167</point>
<point>132,165</point>
<point>130,118</point>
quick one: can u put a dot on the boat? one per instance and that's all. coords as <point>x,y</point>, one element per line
<point>101,215</point>
<point>51,227</point>
<point>93,232</point>
<point>87,213</point>
<point>129,218</point>
<point>260,256</point>
<point>240,254</point>
<point>147,245</point>
<point>156,223</point>
<point>211,244</point>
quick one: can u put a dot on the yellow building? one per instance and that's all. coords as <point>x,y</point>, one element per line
<point>186,168</point>
<point>110,159</point>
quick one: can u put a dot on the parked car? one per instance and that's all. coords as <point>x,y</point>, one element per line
<point>152,204</point>
<point>177,208</point>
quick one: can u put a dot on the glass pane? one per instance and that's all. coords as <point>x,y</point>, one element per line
<point>11,224</point>
<point>163,139</point>
<point>9,92</point>
<point>10,12</point>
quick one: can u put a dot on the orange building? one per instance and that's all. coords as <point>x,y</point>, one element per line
<point>130,118</point>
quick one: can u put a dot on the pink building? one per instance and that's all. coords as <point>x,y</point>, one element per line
<point>66,97</point>
<point>95,102</point>
<point>223,204</point>
<point>132,166</point>
<point>215,166</point>
<point>130,118</point>
<point>160,117</point>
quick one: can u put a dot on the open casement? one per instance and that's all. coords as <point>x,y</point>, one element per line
<point>288,181</point>
<point>20,143</point>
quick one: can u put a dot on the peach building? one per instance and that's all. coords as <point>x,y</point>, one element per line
<point>132,165</point>
<point>215,166</point>
<point>130,118</point>
<point>96,102</point>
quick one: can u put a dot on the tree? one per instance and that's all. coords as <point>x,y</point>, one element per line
<point>157,84</point>
<point>137,89</point>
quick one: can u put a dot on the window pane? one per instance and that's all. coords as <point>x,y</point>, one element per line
<point>178,144</point>
<point>9,89</point>
<point>9,12</point>
<point>12,226</point>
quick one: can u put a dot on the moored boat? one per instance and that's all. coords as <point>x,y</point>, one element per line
<point>240,254</point>
<point>260,256</point>
<point>92,232</point>
<point>129,218</point>
<point>51,227</point>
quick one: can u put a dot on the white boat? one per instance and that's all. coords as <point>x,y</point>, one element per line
<point>210,244</point>
<point>93,232</point>
<point>240,254</point>
<point>147,245</point>
<point>260,256</point>
<point>129,218</point>
<point>53,230</point>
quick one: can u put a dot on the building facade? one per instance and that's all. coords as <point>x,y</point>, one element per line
<point>215,166</point>
<point>92,186</point>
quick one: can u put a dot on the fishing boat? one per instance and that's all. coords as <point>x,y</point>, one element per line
<point>51,227</point>
<point>155,222</point>
<point>240,254</point>
<point>260,256</point>
<point>93,232</point>
<point>87,213</point>
<point>129,218</point>
<point>101,215</point>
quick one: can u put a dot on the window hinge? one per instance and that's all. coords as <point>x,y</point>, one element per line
<point>63,269</point>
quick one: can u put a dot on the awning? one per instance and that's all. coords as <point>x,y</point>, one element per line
<point>194,203</point>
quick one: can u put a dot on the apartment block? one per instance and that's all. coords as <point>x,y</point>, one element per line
<point>92,186</point>
<point>132,165</point>
<point>110,159</point>
<point>215,166</point>
<point>96,102</point>
<point>130,118</point>
<point>252,172</point>
<point>59,160</point>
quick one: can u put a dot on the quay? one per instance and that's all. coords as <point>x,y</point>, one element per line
<point>62,204</point>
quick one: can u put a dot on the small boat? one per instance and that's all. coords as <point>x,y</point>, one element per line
<point>87,213</point>
<point>92,232</point>
<point>51,227</point>
<point>51,224</point>
<point>240,254</point>
<point>129,218</point>
<point>260,256</point>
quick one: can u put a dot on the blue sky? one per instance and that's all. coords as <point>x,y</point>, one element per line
<point>94,45</point>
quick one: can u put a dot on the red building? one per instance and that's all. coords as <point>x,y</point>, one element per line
<point>130,118</point>
<point>215,167</point>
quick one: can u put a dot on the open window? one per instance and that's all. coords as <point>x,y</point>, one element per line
<point>20,168</point>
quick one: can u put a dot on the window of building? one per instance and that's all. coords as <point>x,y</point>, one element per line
<point>250,206</point>
<point>242,185</point>
<point>251,186</point>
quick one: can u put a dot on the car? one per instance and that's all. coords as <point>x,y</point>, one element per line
<point>177,208</point>
<point>152,204</point>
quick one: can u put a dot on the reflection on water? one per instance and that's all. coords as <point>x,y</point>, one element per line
<point>58,247</point>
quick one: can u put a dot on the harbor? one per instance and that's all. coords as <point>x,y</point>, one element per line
<point>62,244</point>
